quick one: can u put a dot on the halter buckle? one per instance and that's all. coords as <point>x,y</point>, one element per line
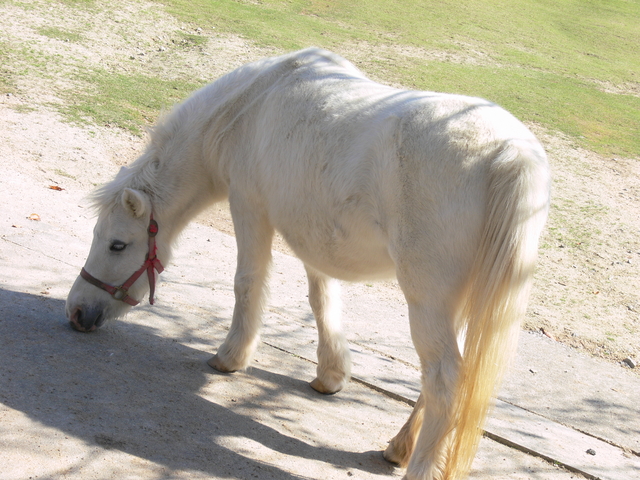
<point>120,293</point>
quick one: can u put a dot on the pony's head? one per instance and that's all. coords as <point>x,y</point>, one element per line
<point>121,264</point>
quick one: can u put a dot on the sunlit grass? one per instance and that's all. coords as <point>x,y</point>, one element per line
<point>544,60</point>
<point>126,101</point>
<point>569,66</point>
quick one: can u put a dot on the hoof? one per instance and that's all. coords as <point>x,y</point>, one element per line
<point>320,387</point>
<point>217,364</point>
<point>392,455</point>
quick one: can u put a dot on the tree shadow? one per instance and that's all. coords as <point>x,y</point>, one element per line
<point>576,390</point>
<point>129,389</point>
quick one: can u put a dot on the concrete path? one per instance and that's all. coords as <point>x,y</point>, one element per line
<point>136,400</point>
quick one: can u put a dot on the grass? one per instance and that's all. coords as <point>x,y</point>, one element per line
<point>125,101</point>
<point>193,40</point>
<point>62,173</point>
<point>574,231</point>
<point>60,34</point>
<point>7,83</point>
<point>606,123</point>
<point>546,59</point>
<point>552,62</point>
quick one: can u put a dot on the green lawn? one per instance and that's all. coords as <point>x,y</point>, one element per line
<point>127,101</point>
<point>555,62</point>
<point>569,65</point>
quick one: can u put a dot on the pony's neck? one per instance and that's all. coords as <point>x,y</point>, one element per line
<point>181,180</point>
<point>187,189</point>
<point>182,165</point>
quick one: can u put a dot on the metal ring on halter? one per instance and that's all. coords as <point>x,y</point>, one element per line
<point>119,294</point>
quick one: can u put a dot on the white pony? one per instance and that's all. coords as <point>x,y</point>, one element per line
<point>448,193</point>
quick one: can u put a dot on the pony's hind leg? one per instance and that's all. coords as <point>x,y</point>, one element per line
<point>334,360</point>
<point>432,298</point>
<point>253,236</point>
<point>402,445</point>
<point>435,340</point>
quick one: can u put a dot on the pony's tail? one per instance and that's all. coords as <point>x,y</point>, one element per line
<point>496,296</point>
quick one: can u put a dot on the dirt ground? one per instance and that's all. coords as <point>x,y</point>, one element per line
<point>587,285</point>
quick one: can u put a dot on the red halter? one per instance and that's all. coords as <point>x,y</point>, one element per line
<point>150,264</point>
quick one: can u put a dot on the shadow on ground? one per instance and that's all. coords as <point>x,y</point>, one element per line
<point>128,389</point>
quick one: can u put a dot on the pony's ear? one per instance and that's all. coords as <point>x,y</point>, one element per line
<point>135,202</point>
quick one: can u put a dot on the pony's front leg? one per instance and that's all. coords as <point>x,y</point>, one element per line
<point>334,359</point>
<point>253,236</point>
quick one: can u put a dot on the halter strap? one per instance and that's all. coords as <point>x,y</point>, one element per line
<point>150,264</point>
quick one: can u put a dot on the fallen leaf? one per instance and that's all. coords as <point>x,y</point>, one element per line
<point>544,332</point>
<point>34,216</point>
<point>55,187</point>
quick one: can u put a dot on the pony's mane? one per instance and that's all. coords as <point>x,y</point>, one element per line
<point>141,174</point>
<point>218,106</point>
<point>138,176</point>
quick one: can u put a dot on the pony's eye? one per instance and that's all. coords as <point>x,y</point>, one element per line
<point>117,246</point>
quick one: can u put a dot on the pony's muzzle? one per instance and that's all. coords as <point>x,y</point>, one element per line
<point>86,319</point>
